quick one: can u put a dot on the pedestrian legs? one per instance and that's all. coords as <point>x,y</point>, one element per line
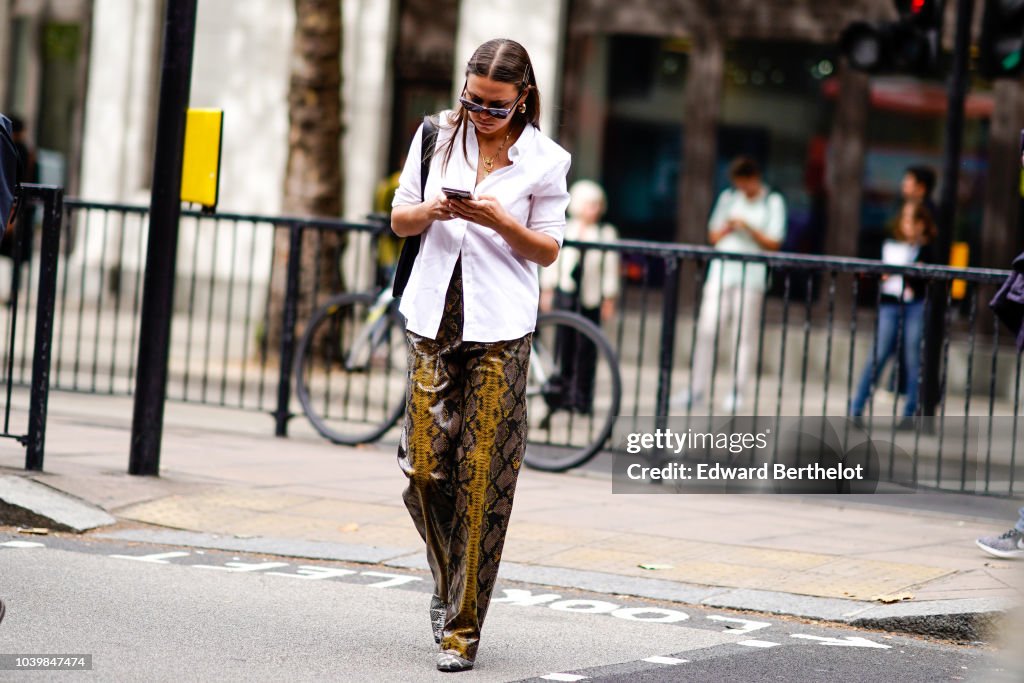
<point>487,465</point>
<point>913,326</point>
<point>885,342</point>
<point>712,323</point>
<point>461,448</point>
<point>746,304</point>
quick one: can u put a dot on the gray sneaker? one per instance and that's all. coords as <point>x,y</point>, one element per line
<point>1009,546</point>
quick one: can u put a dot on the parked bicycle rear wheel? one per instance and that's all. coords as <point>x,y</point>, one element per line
<point>573,392</point>
<point>350,371</point>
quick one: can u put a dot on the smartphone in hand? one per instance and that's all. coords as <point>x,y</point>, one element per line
<point>452,193</point>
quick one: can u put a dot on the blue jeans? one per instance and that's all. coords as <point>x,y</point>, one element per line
<point>894,319</point>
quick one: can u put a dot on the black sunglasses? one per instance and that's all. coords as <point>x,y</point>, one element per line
<point>496,112</point>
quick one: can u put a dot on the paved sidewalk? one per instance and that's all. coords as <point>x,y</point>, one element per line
<point>224,474</point>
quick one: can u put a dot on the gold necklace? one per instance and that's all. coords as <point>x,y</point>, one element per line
<point>489,163</point>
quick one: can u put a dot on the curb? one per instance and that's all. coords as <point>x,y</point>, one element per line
<point>30,503</point>
<point>964,619</point>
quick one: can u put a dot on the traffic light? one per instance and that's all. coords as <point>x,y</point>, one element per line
<point>910,44</point>
<point>1002,39</point>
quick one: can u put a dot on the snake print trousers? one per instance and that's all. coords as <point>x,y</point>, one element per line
<point>461,448</point>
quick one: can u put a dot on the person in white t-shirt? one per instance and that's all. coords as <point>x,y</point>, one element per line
<point>748,218</point>
<point>471,308</point>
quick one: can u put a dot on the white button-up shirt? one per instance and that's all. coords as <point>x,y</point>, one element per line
<point>500,288</point>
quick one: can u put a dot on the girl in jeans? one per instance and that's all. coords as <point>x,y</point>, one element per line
<point>901,311</point>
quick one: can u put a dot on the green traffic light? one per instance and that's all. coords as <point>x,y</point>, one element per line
<point>1011,61</point>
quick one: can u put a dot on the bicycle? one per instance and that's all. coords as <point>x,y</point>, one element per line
<point>351,375</point>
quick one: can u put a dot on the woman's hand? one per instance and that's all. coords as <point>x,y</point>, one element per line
<point>413,219</point>
<point>442,209</point>
<point>485,211</point>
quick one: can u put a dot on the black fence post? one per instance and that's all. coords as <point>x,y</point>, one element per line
<point>290,316</point>
<point>161,255</point>
<point>53,208</point>
<point>931,390</point>
<point>666,354</point>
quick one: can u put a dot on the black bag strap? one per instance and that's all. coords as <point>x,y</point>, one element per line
<point>411,246</point>
<point>427,144</point>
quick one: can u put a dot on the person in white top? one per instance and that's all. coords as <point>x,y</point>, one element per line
<point>586,281</point>
<point>471,307</point>
<point>900,325</point>
<point>748,218</point>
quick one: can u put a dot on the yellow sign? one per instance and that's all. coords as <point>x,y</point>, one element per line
<point>200,171</point>
<point>959,257</point>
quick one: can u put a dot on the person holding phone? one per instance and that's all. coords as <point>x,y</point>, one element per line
<point>748,218</point>
<point>471,307</point>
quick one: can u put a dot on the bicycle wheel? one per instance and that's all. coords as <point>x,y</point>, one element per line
<point>350,369</point>
<point>573,392</point>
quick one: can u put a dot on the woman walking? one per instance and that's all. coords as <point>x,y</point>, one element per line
<point>470,308</point>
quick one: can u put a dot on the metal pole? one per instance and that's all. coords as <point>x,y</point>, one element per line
<point>164,211</point>
<point>290,316</point>
<point>958,83</point>
<point>49,252</point>
<point>669,313</point>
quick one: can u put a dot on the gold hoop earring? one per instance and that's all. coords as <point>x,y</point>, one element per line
<point>522,108</point>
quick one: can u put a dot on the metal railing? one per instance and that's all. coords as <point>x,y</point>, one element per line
<point>814,334</point>
<point>239,294</point>
<point>815,329</point>
<point>36,308</point>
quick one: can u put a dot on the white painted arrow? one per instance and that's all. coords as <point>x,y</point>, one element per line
<point>746,625</point>
<point>242,566</point>
<point>22,544</point>
<point>845,641</point>
<point>158,558</point>
<point>391,581</point>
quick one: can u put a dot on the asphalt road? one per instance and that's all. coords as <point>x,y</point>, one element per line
<point>158,613</point>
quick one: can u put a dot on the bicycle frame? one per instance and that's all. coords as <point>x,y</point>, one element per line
<point>370,336</point>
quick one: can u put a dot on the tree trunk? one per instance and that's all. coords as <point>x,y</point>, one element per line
<point>1001,237</point>
<point>700,133</point>
<point>846,167</point>
<point>312,182</point>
